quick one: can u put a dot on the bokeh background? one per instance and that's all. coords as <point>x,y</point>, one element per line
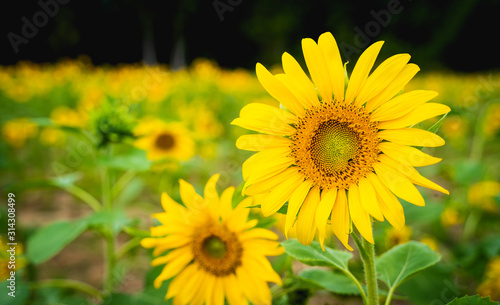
<point>78,78</point>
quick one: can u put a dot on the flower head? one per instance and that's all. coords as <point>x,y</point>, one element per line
<point>338,153</point>
<point>164,140</point>
<point>212,250</point>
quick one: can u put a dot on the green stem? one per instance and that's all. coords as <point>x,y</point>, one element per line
<point>122,182</point>
<point>367,253</point>
<point>70,284</point>
<point>129,245</point>
<point>84,196</point>
<point>110,261</point>
<point>358,284</point>
<point>106,184</point>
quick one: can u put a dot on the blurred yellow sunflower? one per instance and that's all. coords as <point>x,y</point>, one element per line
<point>331,152</point>
<point>162,140</point>
<point>215,253</point>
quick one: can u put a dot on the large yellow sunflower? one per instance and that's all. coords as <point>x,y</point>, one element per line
<point>214,251</point>
<point>163,140</point>
<point>336,152</point>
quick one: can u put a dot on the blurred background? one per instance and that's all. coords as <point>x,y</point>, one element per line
<point>455,35</point>
<point>82,81</point>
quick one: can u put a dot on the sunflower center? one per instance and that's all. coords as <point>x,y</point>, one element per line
<point>214,247</point>
<point>217,249</point>
<point>335,144</point>
<point>165,141</point>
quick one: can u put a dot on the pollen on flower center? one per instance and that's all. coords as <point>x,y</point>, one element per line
<point>165,141</point>
<point>335,144</point>
<point>217,249</point>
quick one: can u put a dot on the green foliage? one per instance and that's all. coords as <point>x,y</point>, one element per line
<point>51,239</point>
<point>313,255</point>
<point>403,261</point>
<point>472,300</point>
<point>334,282</point>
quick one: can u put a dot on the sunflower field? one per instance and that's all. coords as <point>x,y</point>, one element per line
<point>141,184</point>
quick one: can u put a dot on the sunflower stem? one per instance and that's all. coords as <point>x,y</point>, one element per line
<point>367,253</point>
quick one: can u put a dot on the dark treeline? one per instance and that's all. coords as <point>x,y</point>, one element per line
<point>458,35</point>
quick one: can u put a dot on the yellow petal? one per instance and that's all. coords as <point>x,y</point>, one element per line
<point>382,77</point>
<point>280,194</point>
<point>255,290</point>
<point>189,196</point>
<point>258,233</point>
<point>402,104</point>
<point>187,277</point>
<point>393,88</point>
<point>317,68</point>
<point>233,291</point>
<point>306,223</point>
<point>411,137</point>
<point>218,293</point>
<point>261,267</point>
<point>407,154</point>
<point>398,184</point>
<point>258,142</point>
<point>169,205</point>
<point>323,211</point>
<point>419,114</point>
<point>237,219</point>
<point>341,221</point>
<point>265,164</point>
<point>172,256</point>
<point>412,174</point>
<point>359,216</point>
<point>271,182</point>
<point>369,200</point>
<point>173,268</point>
<point>279,91</point>
<point>298,82</point>
<point>294,204</point>
<point>333,62</point>
<point>265,122</point>
<point>210,192</point>
<point>361,71</point>
<point>226,202</point>
<point>389,204</point>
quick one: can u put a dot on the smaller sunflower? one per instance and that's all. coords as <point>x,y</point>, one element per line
<point>164,140</point>
<point>212,251</point>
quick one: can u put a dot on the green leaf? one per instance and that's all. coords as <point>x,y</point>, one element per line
<point>399,263</point>
<point>282,210</point>
<point>334,282</point>
<point>435,127</point>
<point>136,232</point>
<point>135,160</point>
<point>21,291</point>
<point>50,240</point>
<point>472,300</point>
<point>313,255</point>
<point>115,220</point>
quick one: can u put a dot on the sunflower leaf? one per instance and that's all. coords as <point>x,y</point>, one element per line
<point>49,240</point>
<point>403,261</point>
<point>313,255</point>
<point>435,127</point>
<point>334,282</point>
<point>472,300</point>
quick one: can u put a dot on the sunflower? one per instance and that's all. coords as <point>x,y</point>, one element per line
<point>214,252</point>
<point>164,140</point>
<point>336,152</point>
